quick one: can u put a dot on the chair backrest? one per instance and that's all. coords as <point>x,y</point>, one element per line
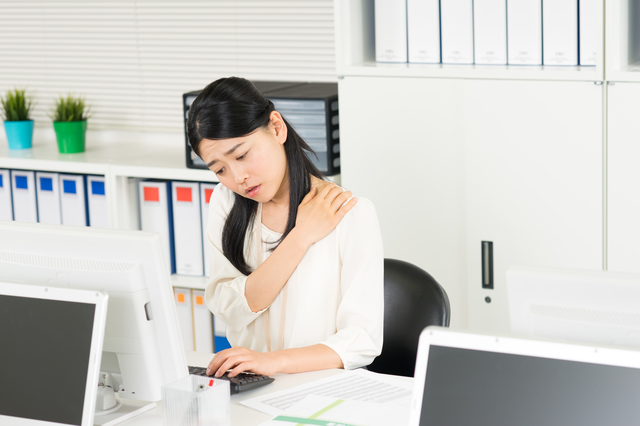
<point>413,299</point>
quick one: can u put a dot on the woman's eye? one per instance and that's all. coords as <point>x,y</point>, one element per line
<point>219,171</point>
<point>242,156</point>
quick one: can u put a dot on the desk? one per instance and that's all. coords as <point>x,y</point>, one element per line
<point>240,415</point>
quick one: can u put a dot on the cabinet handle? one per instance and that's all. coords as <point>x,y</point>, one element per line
<point>487,264</point>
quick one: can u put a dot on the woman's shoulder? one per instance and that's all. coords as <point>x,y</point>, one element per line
<point>222,199</point>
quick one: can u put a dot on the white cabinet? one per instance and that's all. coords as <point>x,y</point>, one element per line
<point>403,150</point>
<point>623,177</point>
<point>533,167</point>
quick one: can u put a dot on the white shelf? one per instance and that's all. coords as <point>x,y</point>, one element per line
<point>355,54</point>
<point>499,72</point>
<point>183,281</point>
<point>131,154</point>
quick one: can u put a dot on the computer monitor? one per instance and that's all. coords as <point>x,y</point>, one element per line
<point>142,344</point>
<point>50,358</point>
<point>575,305</point>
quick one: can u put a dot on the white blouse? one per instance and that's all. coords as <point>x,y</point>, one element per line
<point>335,295</point>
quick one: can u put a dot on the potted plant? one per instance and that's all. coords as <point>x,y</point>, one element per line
<point>17,124</point>
<point>70,116</point>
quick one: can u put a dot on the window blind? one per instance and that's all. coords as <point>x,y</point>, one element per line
<point>133,60</point>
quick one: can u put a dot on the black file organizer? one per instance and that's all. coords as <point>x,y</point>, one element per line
<point>312,110</point>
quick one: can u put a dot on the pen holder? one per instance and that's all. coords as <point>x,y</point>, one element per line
<point>196,400</point>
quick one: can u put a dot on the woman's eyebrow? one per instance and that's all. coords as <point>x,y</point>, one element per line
<point>233,148</point>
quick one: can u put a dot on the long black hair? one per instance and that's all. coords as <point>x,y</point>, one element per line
<point>233,107</point>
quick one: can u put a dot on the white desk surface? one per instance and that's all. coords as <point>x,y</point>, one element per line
<point>240,415</point>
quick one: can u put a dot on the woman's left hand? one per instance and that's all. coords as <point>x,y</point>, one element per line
<point>239,359</point>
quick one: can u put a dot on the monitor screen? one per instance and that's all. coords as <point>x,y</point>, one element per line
<point>44,358</point>
<point>474,387</point>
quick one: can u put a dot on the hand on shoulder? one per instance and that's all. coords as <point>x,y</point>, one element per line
<point>322,209</point>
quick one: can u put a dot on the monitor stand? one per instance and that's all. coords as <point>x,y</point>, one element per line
<point>110,410</point>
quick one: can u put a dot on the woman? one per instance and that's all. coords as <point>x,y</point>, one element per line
<point>296,261</point>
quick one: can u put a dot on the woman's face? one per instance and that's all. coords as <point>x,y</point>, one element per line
<point>253,166</point>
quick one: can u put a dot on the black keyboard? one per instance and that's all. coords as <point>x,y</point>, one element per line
<point>240,383</point>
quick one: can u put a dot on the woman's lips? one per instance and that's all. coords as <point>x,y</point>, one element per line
<point>253,191</point>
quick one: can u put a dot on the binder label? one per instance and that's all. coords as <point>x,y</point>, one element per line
<point>46,184</point>
<point>69,186</point>
<point>151,194</point>
<point>207,194</point>
<point>21,182</point>
<point>180,297</point>
<point>183,194</point>
<point>97,187</point>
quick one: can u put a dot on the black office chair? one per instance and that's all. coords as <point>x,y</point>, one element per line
<point>413,299</point>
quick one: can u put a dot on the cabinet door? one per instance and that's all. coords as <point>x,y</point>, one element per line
<point>401,147</point>
<point>533,183</point>
<point>623,184</point>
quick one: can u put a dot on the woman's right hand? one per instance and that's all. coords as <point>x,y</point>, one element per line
<point>321,210</point>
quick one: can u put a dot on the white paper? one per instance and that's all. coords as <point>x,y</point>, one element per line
<point>356,385</point>
<point>341,412</point>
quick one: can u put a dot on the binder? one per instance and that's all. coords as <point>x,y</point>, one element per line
<point>202,322</point>
<point>457,31</point>
<point>560,32</point>
<point>156,215</point>
<point>490,32</point>
<point>23,190</point>
<point>588,32</point>
<point>220,335</point>
<point>206,189</point>
<point>187,228</point>
<point>423,20</point>
<point>185,316</point>
<point>73,203</point>
<point>48,196</point>
<point>524,29</point>
<point>391,30</point>
<point>98,209</point>
<point>6,203</point>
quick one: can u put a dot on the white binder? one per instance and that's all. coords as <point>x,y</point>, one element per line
<point>6,203</point>
<point>73,203</point>
<point>156,215</point>
<point>490,32</point>
<point>206,189</point>
<point>48,194</point>
<point>588,32</point>
<point>560,32</point>
<point>187,228</point>
<point>185,316</point>
<point>456,17</point>
<point>98,209</point>
<point>423,20</point>
<point>391,30</point>
<point>23,189</point>
<point>524,25</point>
<point>202,323</point>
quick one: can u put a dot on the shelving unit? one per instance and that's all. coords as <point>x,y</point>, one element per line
<point>355,53</point>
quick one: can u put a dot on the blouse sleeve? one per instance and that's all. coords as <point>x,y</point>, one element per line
<point>360,317</point>
<point>224,294</point>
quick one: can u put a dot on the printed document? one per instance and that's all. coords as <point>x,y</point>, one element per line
<point>355,385</point>
<point>325,411</point>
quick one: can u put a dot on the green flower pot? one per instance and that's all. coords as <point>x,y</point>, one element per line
<point>70,136</point>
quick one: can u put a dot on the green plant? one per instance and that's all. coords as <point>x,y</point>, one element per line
<point>70,109</point>
<point>16,106</point>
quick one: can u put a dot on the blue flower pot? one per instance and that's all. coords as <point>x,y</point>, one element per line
<point>19,133</point>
